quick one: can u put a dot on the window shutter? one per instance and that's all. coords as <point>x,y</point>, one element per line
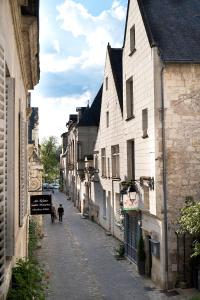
<point>2,164</point>
<point>22,170</point>
<point>10,165</point>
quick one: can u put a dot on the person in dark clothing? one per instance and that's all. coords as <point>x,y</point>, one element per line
<point>53,213</point>
<point>60,212</point>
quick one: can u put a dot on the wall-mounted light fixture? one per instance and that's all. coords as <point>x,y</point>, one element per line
<point>148,180</point>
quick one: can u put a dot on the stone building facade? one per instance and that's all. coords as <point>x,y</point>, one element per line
<point>148,136</point>
<point>81,138</point>
<point>109,148</point>
<point>19,72</point>
<point>35,167</point>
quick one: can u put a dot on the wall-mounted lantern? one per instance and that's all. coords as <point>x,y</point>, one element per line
<point>148,180</point>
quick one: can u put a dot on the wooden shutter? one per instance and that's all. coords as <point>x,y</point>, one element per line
<point>22,169</point>
<point>10,165</point>
<point>2,164</point>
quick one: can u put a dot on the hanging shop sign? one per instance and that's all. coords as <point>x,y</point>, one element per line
<point>131,203</point>
<point>40,204</point>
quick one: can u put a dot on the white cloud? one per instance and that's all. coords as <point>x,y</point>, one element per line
<point>51,120</point>
<point>118,10</point>
<point>97,31</point>
<point>56,46</point>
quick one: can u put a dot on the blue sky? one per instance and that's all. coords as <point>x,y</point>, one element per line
<point>73,39</point>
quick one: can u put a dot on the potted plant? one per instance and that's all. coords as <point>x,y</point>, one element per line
<point>141,256</point>
<point>120,251</point>
<point>124,187</point>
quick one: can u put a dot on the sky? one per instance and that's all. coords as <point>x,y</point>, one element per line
<point>73,39</point>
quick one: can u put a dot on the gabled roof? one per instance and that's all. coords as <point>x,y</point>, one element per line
<point>174,27</point>
<point>115,55</point>
<point>91,116</point>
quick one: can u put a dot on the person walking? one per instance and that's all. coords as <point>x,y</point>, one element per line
<point>53,213</point>
<point>60,212</point>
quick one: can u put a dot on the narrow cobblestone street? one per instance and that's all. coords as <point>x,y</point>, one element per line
<point>78,256</point>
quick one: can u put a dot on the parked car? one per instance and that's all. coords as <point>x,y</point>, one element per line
<point>47,186</point>
<point>56,186</point>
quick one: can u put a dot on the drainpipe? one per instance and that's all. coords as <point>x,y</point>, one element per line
<point>164,180</point>
<point>113,211</point>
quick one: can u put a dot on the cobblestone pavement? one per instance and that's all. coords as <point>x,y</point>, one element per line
<point>79,261</point>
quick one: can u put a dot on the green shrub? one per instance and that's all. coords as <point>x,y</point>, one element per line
<point>120,251</point>
<point>27,281</point>
<point>33,238</point>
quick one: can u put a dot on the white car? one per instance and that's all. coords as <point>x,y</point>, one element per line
<point>56,186</point>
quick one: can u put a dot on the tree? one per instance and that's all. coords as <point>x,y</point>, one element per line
<point>50,159</point>
<point>190,223</point>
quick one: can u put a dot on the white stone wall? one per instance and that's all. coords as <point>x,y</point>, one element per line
<point>143,68</point>
<point>140,65</point>
<point>107,137</point>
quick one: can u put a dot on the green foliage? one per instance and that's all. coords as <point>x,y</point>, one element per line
<point>33,238</point>
<point>189,223</point>
<point>50,157</point>
<point>28,277</point>
<point>140,250</point>
<point>27,281</point>
<point>120,251</point>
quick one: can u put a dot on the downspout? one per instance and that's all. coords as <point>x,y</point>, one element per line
<point>113,210</point>
<point>164,175</point>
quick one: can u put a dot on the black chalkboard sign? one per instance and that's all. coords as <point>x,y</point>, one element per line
<point>40,204</point>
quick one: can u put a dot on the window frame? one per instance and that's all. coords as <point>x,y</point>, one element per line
<point>106,83</point>
<point>103,162</point>
<point>145,123</point>
<point>115,161</point>
<point>132,40</point>
<point>129,99</point>
<point>107,119</point>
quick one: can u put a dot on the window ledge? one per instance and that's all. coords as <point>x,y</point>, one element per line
<point>132,52</point>
<point>145,136</point>
<point>116,178</point>
<point>103,177</point>
<point>130,118</point>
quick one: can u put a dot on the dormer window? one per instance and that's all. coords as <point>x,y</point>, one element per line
<point>132,40</point>
<point>106,83</point>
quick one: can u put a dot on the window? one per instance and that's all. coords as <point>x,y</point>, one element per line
<point>107,119</point>
<point>132,39</point>
<point>145,122</point>
<point>115,161</point>
<point>103,162</point>
<point>79,152</point>
<point>131,159</point>
<point>146,197</point>
<point>108,167</point>
<point>129,98</point>
<point>96,162</point>
<point>104,204</point>
<point>106,83</point>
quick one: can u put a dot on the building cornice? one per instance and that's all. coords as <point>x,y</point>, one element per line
<point>26,31</point>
